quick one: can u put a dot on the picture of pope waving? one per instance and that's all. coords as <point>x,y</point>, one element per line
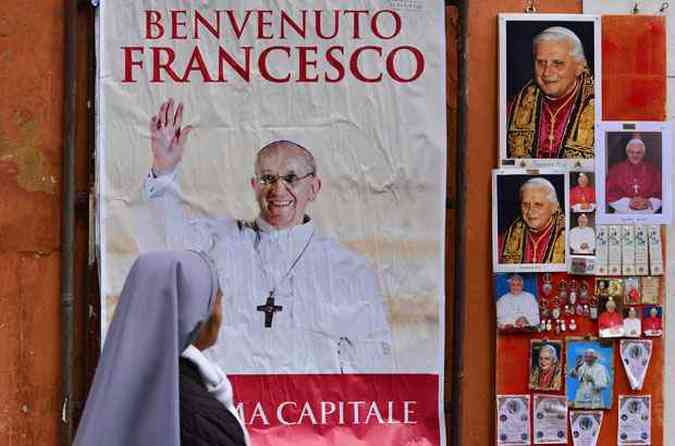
<point>294,300</point>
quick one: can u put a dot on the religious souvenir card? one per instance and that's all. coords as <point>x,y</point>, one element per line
<point>641,250</point>
<point>635,355</point>
<point>548,109</point>
<point>649,289</point>
<point>582,238</point>
<point>631,291</point>
<point>313,142</point>
<point>627,250</point>
<point>632,324</point>
<point>610,319</point>
<point>635,420</point>
<point>546,364</point>
<point>550,419</point>
<point>589,373</point>
<point>516,301</point>
<point>513,420</point>
<point>655,250</point>
<point>602,249</point>
<point>633,167</point>
<point>652,320</point>
<point>614,249</point>
<point>529,220</point>
<point>585,426</point>
<point>582,243</point>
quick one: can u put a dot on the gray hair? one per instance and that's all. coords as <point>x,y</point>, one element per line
<point>282,143</point>
<point>515,277</point>
<point>551,349</point>
<point>540,182</point>
<point>591,352</point>
<point>558,34</point>
<point>637,141</point>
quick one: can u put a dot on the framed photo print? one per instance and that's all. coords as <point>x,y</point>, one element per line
<point>633,167</point>
<point>590,373</point>
<point>546,364</point>
<point>549,89</point>
<point>529,220</point>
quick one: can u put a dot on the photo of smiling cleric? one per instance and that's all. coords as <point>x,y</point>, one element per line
<point>529,221</point>
<point>296,301</point>
<point>549,87</point>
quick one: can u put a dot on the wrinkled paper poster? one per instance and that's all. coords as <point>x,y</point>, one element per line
<point>302,145</point>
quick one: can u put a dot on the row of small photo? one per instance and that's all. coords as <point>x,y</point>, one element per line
<point>522,308</point>
<point>572,363</point>
<point>540,217</point>
<point>550,415</point>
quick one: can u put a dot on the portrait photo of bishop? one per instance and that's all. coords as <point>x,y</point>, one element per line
<point>530,220</point>
<point>633,172</point>
<point>548,86</point>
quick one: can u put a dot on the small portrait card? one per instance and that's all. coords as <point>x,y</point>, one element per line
<point>546,369</point>
<point>590,373</point>
<point>632,325</point>
<point>652,320</point>
<point>516,301</point>
<point>610,321</point>
<point>631,291</point>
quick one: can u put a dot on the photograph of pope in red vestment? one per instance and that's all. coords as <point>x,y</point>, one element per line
<point>633,185</point>
<point>582,196</point>
<point>552,115</point>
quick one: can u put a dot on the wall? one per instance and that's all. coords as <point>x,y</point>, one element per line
<point>30,186</point>
<point>31,146</point>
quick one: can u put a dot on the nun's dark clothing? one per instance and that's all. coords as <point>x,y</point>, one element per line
<point>204,421</point>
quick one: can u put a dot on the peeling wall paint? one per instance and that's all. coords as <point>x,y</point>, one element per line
<point>33,172</point>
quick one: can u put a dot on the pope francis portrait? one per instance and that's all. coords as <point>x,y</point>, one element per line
<point>294,300</point>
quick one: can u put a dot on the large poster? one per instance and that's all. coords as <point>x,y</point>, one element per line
<point>302,145</point>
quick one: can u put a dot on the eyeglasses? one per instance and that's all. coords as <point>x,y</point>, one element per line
<point>291,179</point>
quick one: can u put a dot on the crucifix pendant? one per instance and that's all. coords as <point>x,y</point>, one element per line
<point>636,189</point>
<point>269,309</point>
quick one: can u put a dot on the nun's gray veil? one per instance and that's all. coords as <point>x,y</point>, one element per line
<point>134,397</point>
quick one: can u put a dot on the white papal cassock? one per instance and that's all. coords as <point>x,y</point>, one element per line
<point>333,317</point>
<point>511,307</point>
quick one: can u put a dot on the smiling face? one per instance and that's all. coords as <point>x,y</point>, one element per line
<point>283,205</point>
<point>515,285</point>
<point>536,208</point>
<point>582,181</point>
<point>546,359</point>
<point>589,358</point>
<point>582,221</point>
<point>555,70</point>
<point>635,152</point>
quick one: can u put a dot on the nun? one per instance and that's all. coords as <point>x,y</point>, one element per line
<point>153,384</point>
